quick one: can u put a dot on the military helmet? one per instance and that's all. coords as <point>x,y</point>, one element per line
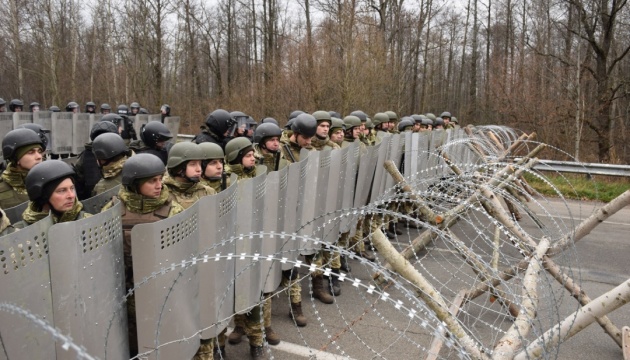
<point>45,173</point>
<point>113,118</point>
<point>134,105</point>
<point>71,106</point>
<point>236,148</point>
<point>417,118</point>
<point>90,103</point>
<point>269,120</point>
<point>17,138</point>
<point>305,125</point>
<point>54,108</point>
<point>337,123</point>
<point>369,124</point>
<point>220,121</point>
<point>237,114</point>
<point>351,121</point>
<point>392,116</point>
<point>266,130</point>
<point>322,116</point>
<point>40,130</point>
<point>454,120</point>
<point>143,111</point>
<point>153,132</point>
<point>289,124</point>
<point>427,121</point>
<point>105,106</point>
<point>335,114</point>
<point>108,145</point>
<point>360,114</point>
<point>211,151</point>
<point>141,166</point>
<point>404,123</point>
<point>15,103</point>
<point>166,108</point>
<point>445,114</point>
<point>380,118</point>
<point>430,116</point>
<point>32,105</point>
<point>295,114</point>
<point>123,109</point>
<point>438,122</point>
<point>103,127</point>
<point>182,152</point>
<point>2,102</point>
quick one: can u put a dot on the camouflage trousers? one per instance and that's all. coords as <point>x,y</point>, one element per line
<point>252,324</point>
<point>354,243</point>
<point>293,285</point>
<point>327,257</point>
<point>267,311</point>
<point>205,350</point>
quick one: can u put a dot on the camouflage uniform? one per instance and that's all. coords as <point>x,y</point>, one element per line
<point>271,161</point>
<point>186,194</point>
<point>5,224</point>
<point>139,147</point>
<point>32,214</point>
<point>111,176</point>
<point>12,188</point>
<point>323,144</point>
<point>219,184</point>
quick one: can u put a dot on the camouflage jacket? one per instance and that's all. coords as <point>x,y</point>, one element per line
<point>186,194</point>
<point>273,162</point>
<point>291,150</point>
<point>241,172</point>
<point>138,146</point>
<point>218,184</point>
<point>323,144</point>
<point>111,176</point>
<point>12,188</point>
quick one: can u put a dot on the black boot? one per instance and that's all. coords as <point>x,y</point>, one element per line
<point>335,284</point>
<point>393,229</point>
<point>345,266</point>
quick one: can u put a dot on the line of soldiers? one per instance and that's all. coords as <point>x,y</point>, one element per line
<point>17,105</point>
<point>159,181</point>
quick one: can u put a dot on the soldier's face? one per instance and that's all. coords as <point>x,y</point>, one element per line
<point>249,160</point>
<point>446,120</point>
<point>105,111</point>
<point>152,188</point>
<point>62,199</point>
<point>35,109</point>
<point>322,129</point>
<point>3,108</point>
<point>273,144</point>
<point>356,131</point>
<point>31,158</point>
<point>337,136</point>
<point>193,169</point>
<point>214,169</point>
<point>303,141</point>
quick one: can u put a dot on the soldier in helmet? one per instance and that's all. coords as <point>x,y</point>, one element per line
<point>50,187</point>
<point>270,120</point>
<point>34,107</point>
<point>40,130</point>
<point>54,108</point>
<point>446,116</point>
<point>88,173</point>
<point>3,105</point>
<point>90,107</point>
<point>369,133</point>
<point>321,141</point>
<point>105,109</point>
<point>212,173</point>
<point>218,128</point>
<point>303,128</point>
<point>110,152</point>
<point>336,131</point>
<point>406,124</point>
<point>134,109</point>
<point>455,122</point>
<point>393,119</point>
<point>16,105</point>
<point>381,124</point>
<point>72,107</point>
<point>426,124</point>
<point>154,138</point>
<point>363,117</point>
<point>438,124</point>
<point>145,200</point>
<point>165,111</point>
<point>184,170</point>
<point>23,149</point>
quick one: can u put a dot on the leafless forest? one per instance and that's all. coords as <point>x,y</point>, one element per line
<point>560,68</point>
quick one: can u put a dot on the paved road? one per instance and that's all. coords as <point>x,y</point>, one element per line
<point>361,326</point>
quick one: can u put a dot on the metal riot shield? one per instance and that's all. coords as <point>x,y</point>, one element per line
<point>81,132</point>
<point>352,166</point>
<point>291,184</point>
<point>321,196</point>
<point>378,186</point>
<point>434,162</point>
<point>216,259</point>
<point>6,124</point>
<point>61,132</point>
<point>88,284</point>
<point>44,118</point>
<point>367,165</point>
<point>172,123</point>
<point>139,121</point>
<point>307,203</point>
<point>94,204</point>
<point>395,154</point>
<point>273,221</point>
<point>155,117</point>
<point>15,213</point>
<point>167,285</point>
<point>250,209</point>
<point>94,118</point>
<point>25,283</point>
<point>21,118</point>
<point>334,195</point>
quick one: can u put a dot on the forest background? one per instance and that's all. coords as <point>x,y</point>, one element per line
<point>557,67</point>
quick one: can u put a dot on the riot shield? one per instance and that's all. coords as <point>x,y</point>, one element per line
<point>273,220</point>
<point>378,187</point>
<point>94,118</point>
<point>321,195</point>
<point>291,184</point>
<point>21,118</point>
<point>352,167</point>
<point>216,254</point>
<point>250,209</point>
<point>155,117</point>
<point>307,204</point>
<point>140,120</point>
<point>6,124</point>
<point>367,165</point>
<point>25,282</point>
<point>94,204</point>
<point>80,131</point>
<point>334,195</point>
<point>15,213</point>
<point>167,285</point>
<point>412,155</point>
<point>88,284</point>
<point>172,123</point>
<point>61,132</point>
<point>395,154</point>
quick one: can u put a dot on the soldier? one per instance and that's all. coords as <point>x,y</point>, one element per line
<point>50,187</point>
<point>438,124</point>
<point>239,154</point>
<point>431,116</point>
<point>154,137</point>
<point>363,117</point>
<point>218,128</point>
<point>212,167</point>
<point>16,105</point>
<point>110,152</point>
<point>446,116</point>
<point>426,124</point>
<point>40,131</point>
<point>165,111</point>
<point>72,107</point>
<point>381,124</point>
<point>105,109</point>
<point>303,128</point>
<point>184,170</point>
<point>90,107</point>
<point>23,149</point>
<point>406,124</point>
<point>321,141</point>
<point>144,111</point>
<point>3,105</point>
<point>128,132</point>
<point>54,108</point>
<point>251,127</point>
<point>455,122</point>
<point>393,119</point>
<point>122,110</point>
<point>134,109</point>
<point>370,134</point>
<point>270,120</point>
<point>145,201</point>
<point>88,173</point>
<point>34,107</point>
<point>336,131</point>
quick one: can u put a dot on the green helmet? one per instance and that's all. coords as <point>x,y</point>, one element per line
<point>211,151</point>
<point>380,118</point>
<point>360,114</point>
<point>445,114</point>
<point>431,116</point>
<point>392,116</point>
<point>337,123</point>
<point>351,121</point>
<point>454,120</point>
<point>322,116</point>
<point>236,148</point>
<point>406,123</point>
<point>369,124</point>
<point>183,152</point>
